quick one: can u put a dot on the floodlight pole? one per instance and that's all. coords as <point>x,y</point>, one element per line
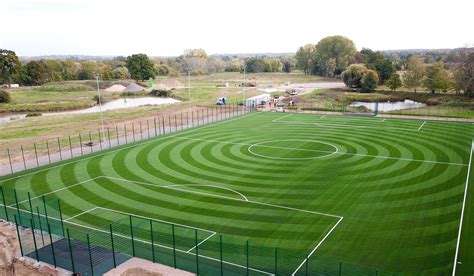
<point>100,103</point>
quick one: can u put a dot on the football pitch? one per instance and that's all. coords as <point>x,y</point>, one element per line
<point>374,192</point>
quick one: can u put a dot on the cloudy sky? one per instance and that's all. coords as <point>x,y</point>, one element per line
<point>167,27</point>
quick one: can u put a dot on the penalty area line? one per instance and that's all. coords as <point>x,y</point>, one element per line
<point>317,246</point>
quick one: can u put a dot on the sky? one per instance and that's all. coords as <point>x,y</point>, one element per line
<point>168,27</point>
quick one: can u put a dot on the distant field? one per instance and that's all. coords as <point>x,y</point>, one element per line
<point>380,193</point>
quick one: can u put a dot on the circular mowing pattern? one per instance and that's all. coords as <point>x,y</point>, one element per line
<point>278,147</point>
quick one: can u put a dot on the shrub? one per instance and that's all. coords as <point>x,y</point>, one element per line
<point>5,97</point>
<point>33,114</point>
<point>369,81</point>
<point>161,93</point>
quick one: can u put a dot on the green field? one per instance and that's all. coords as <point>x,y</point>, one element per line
<point>380,193</point>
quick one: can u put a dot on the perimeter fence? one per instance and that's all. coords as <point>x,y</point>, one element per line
<point>460,112</point>
<point>92,244</point>
<point>22,157</point>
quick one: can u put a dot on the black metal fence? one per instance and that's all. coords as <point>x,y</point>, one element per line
<point>89,249</point>
<point>22,157</point>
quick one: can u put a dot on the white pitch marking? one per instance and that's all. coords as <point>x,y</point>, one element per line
<point>462,210</point>
<point>58,190</point>
<point>206,185</point>
<point>203,241</point>
<point>82,213</point>
<point>324,116</point>
<point>421,126</point>
<point>279,118</point>
<point>317,246</point>
<point>295,149</point>
<point>341,153</point>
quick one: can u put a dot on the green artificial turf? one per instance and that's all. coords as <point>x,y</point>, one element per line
<point>370,192</point>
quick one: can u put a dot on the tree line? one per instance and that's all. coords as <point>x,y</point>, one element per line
<point>137,66</point>
<point>337,56</point>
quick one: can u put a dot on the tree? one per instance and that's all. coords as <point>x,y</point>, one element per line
<point>378,62</point>
<point>413,77</point>
<point>394,82</point>
<point>254,65</point>
<point>37,72</point>
<point>437,78</point>
<point>369,81</point>
<point>305,58</point>
<point>464,73</point>
<point>333,55</point>
<point>88,68</point>
<point>162,69</point>
<point>9,65</point>
<point>4,97</point>
<point>121,73</point>
<point>352,76</point>
<point>140,67</point>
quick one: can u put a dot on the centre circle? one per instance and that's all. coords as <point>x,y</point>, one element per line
<point>293,149</point>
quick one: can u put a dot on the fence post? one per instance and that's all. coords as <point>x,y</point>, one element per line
<point>90,254</point>
<point>80,143</point>
<point>197,252</point>
<point>70,146</point>
<point>174,245</point>
<point>18,233</point>
<point>60,152</point>
<point>133,131</point>
<point>10,159</point>
<point>154,122</point>
<point>45,210</point>
<point>340,268</point>
<point>276,261</point>
<point>169,122</point>
<point>112,242</point>
<point>17,205</point>
<point>182,125</point>
<point>70,251</point>
<point>52,245</point>
<point>90,141</point>
<point>192,118</point>
<point>100,140</point>
<point>125,129</point>
<point>61,216</point>
<point>23,154</point>
<point>152,240</point>
<point>175,123</point>
<point>147,128</point>
<point>4,203</point>
<point>31,205</point>
<point>131,235</point>
<point>40,224</point>
<point>163,125</point>
<point>220,247</point>
<point>108,136</point>
<point>117,133</point>
<point>306,269</point>
<point>34,239</point>
<point>141,131</point>
<point>47,148</point>
<point>36,155</point>
<point>247,255</point>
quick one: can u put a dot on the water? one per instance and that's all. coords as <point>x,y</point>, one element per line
<point>112,105</point>
<point>390,106</point>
